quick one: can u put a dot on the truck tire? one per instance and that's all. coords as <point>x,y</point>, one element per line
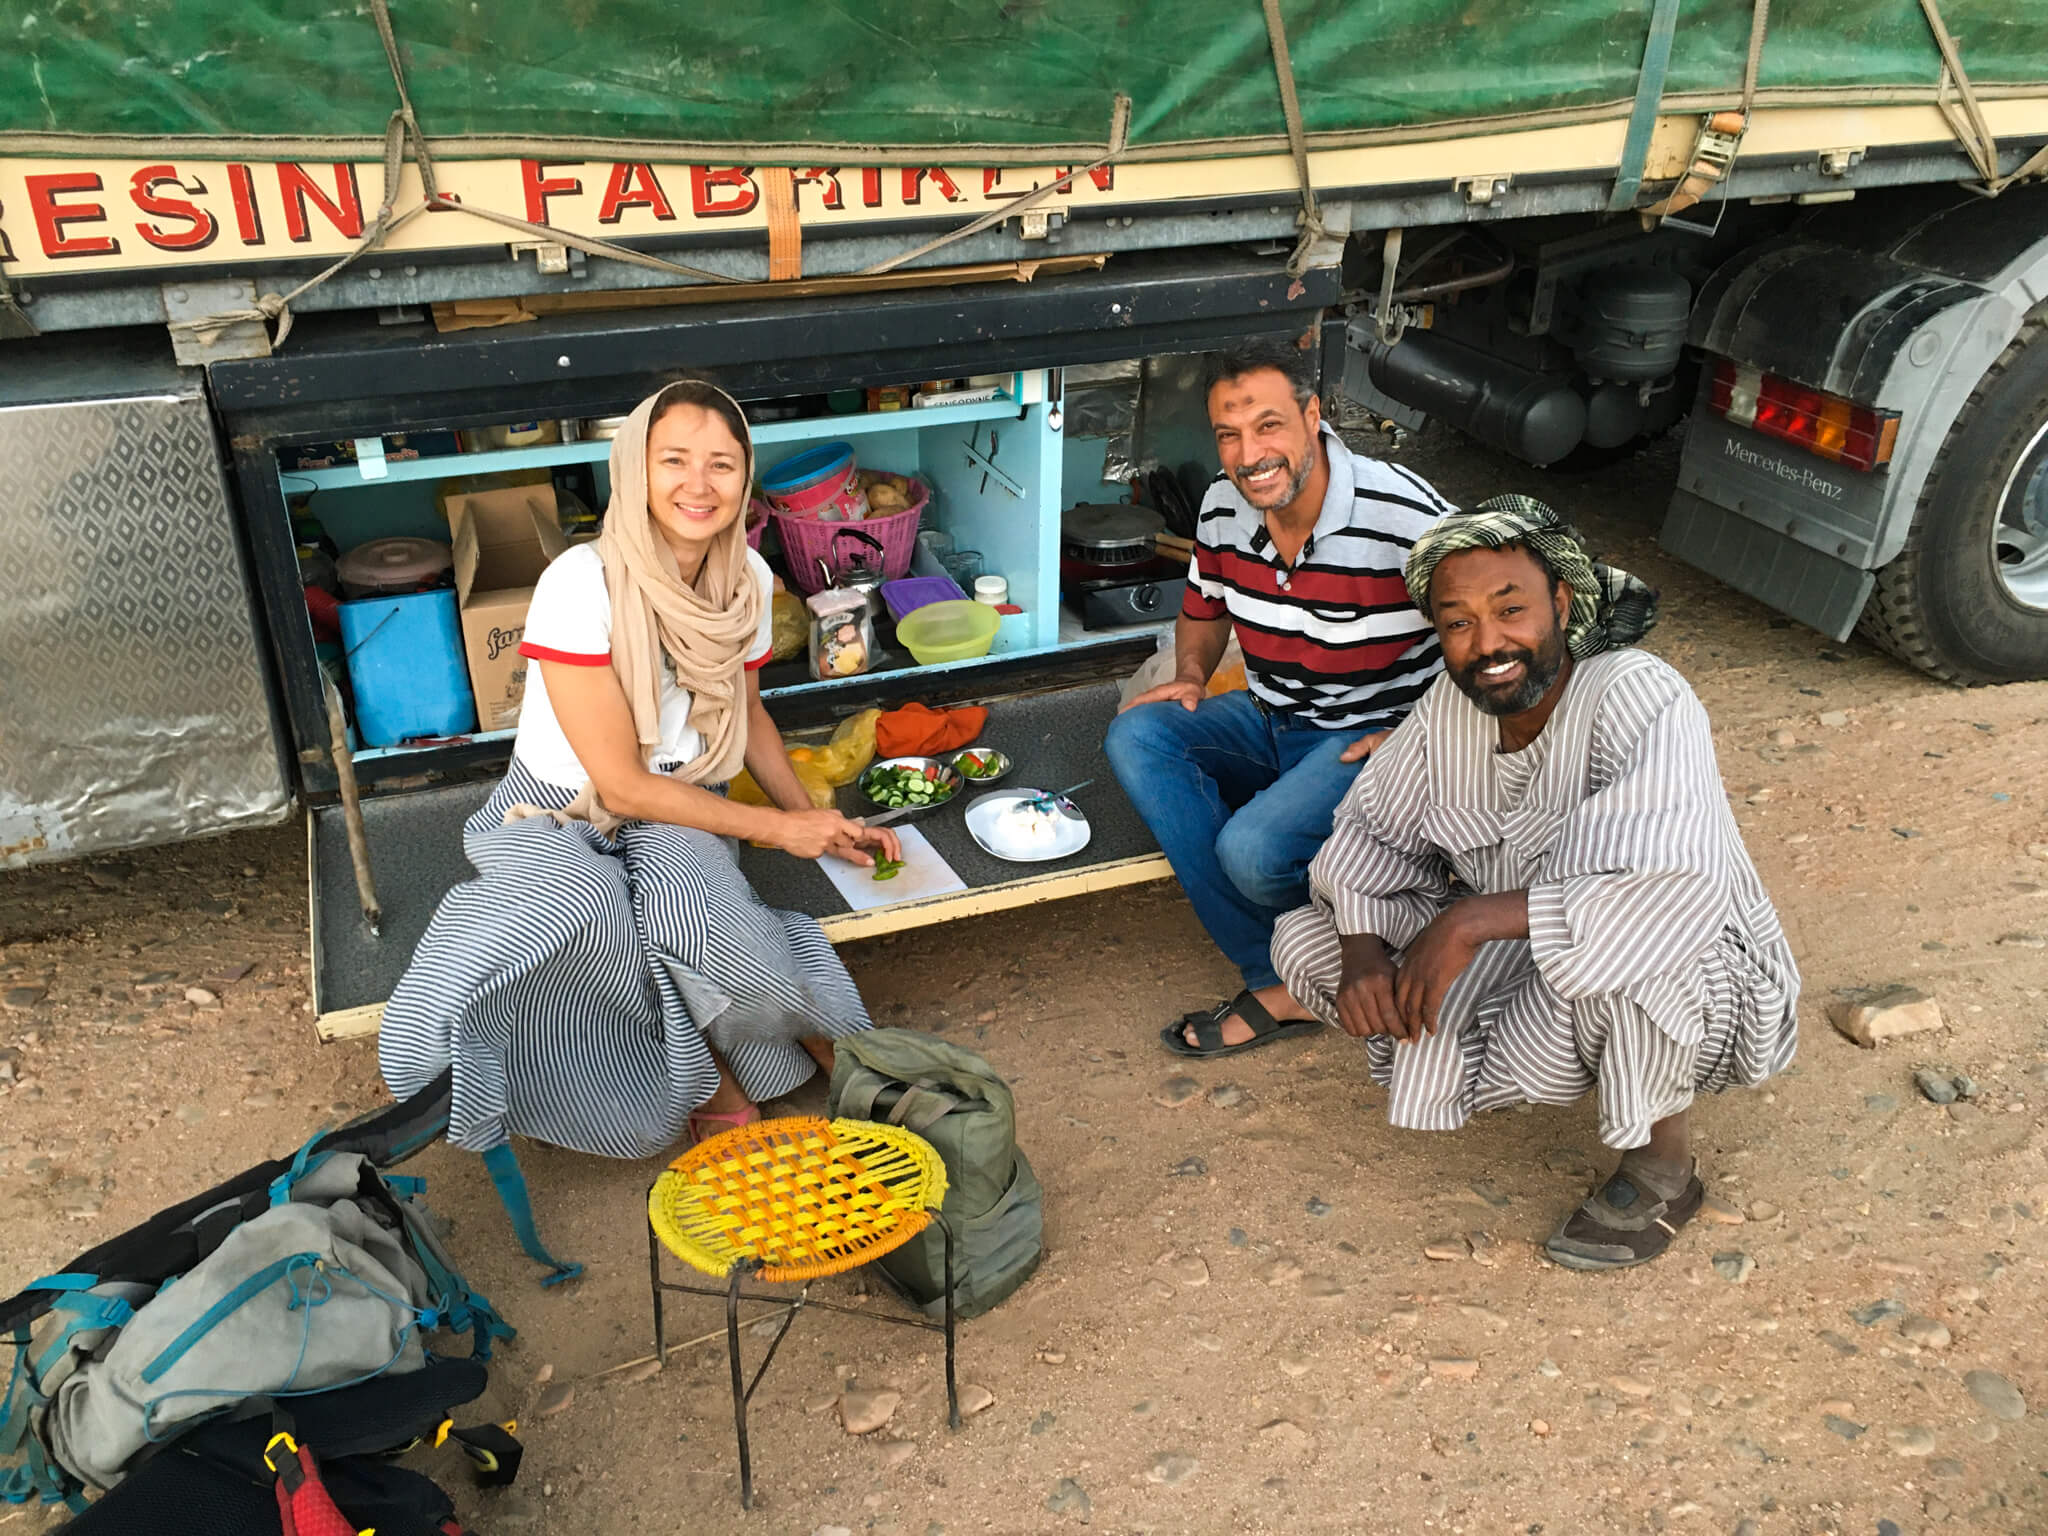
<point>1966,600</point>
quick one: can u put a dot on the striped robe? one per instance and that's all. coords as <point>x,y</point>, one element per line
<point>1655,966</point>
<point>574,984</point>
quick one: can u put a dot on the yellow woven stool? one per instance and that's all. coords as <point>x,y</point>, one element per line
<point>792,1200</point>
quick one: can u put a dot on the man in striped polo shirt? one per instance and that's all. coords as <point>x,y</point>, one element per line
<point>1299,549</point>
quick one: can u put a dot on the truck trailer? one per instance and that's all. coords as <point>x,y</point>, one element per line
<point>280,280</point>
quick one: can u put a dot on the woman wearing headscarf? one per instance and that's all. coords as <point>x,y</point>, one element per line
<point>610,982</point>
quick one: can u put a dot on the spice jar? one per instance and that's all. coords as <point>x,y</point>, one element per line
<point>842,633</point>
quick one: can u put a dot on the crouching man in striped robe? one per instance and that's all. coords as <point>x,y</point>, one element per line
<point>1536,888</point>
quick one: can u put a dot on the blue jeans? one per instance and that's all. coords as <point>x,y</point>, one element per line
<point>1240,801</point>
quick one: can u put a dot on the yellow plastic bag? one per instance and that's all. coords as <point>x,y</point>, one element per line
<point>789,632</point>
<point>851,749</point>
<point>744,791</point>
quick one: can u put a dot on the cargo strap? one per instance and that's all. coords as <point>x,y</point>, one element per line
<point>1642,118</point>
<point>1720,136</point>
<point>505,1173</point>
<point>1969,125</point>
<point>785,230</point>
<point>1297,139</point>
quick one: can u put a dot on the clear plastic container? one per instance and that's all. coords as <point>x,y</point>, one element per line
<point>842,633</point>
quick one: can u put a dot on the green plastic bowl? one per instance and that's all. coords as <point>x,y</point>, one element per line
<point>949,631</point>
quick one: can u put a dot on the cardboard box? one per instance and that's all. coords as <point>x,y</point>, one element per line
<point>503,540</point>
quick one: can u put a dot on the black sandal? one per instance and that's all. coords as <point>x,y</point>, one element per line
<point>1209,1028</point>
<point>1622,1224</point>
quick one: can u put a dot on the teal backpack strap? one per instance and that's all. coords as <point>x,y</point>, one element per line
<point>511,1184</point>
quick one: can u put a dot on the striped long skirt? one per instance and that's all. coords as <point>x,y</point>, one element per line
<point>1504,1037</point>
<point>574,984</point>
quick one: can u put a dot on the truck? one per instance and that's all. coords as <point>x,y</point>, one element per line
<point>278,280</point>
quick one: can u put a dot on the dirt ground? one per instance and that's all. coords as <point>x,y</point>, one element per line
<point>1236,1326</point>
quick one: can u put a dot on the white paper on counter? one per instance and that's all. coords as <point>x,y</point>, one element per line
<point>924,873</point>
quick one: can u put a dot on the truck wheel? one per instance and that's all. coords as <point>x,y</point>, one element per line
<point>1967,598</point>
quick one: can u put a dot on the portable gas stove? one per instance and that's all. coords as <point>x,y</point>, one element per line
<point>1111,572</point>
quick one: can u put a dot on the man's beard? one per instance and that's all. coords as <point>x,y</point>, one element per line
<point>1297,478</point>
<point>1539,670</point>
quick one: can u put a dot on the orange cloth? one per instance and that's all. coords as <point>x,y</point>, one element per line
<point>916,730</point>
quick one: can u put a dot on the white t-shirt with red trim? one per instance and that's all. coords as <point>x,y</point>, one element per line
<point>570,620</point>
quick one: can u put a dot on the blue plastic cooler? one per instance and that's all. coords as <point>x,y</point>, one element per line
<point>406,663</point>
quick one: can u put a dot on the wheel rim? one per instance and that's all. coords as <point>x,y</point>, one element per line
<point>2019,539</point>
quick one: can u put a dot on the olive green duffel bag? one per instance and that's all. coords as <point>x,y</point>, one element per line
<point>952,1098</point>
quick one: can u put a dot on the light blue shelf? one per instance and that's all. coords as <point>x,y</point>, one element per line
<point>766,434</point>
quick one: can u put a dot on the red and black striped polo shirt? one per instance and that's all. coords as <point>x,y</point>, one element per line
<point>1334,639</point>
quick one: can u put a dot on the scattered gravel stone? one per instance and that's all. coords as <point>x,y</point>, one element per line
<point>1281,1271</point>
<point>1190,1168</point>
<point>1294,1366</point>
<point>1549,1368</point>
<point>1212,1342</point>
<point>1189,1269</point>
<point>974,1399</point>
<point>1454,1367</point>
<point>2024,941</point>
<point>1630,1386</point>
<point>897,1452</point>
<point>200,997</point>
<point>1878,1312</point>
<point>1887,1016</point>
<point>646,1370</point>
<point>1317,1206</point>
<point>1171,1468</point>
<point>1848,1429</point>
<point>863,1411</point>
<point>1720,1212</point>
<point>1238,1237</point>
<point>1962,1113</point>
<point>1995,1395</point>
<point>1286,1435</point>
<point>1176,1091</point>
<point>1447,1249</point>
<point>1067,1498</point>
<point>1763,1210</point>
<point>1734,1266</point>
<point>1836,1342</point>
<point>1935,1087</point>
<point>1926,1332</point>
<point>1322,1287</point>
<point>1227,1096</point>
<point>1880,1103</point>
<point>1043,1422</point>
<point>1539,1428</point>
<point>554,1400</point>
<point>1912,1440</point>
<point>1484,1190</point>
<point>23,997</point>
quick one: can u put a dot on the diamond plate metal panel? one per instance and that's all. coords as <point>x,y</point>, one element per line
<point>132,700</point>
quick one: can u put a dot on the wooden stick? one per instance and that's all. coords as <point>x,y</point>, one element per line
<point>716,1333</point>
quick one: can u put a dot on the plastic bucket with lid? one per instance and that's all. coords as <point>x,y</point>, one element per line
<point>821,482</point>
<point>406,665</point>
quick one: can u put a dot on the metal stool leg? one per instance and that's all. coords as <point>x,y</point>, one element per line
<point>952,1383</point>
<point>654,1282</point>
<point>739,1390</point>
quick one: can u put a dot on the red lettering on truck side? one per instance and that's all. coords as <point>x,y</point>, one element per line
<point>344,210</point>
<point>913,189</point>
<point>201,226</point>
<point>248,217</point>
<point>871,187</point>
<point>632,185</point>
<point>707,185</point>
<point>826,176</point>
<point>539,187</point>
<point>51,216</point>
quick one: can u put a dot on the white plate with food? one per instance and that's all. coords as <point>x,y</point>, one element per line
<point>1025,827</point>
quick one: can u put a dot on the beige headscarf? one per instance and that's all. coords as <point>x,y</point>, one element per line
<point>704,627</point>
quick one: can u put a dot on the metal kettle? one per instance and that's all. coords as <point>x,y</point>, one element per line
<point>856,570</point>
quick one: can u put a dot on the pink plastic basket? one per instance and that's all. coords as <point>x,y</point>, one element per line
<point>758,513</point>
<point>807,540</point>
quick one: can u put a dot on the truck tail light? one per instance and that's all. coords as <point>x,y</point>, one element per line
<point>1836,429</point>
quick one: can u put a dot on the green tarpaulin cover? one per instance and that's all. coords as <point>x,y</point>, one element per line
<point>844,75</point>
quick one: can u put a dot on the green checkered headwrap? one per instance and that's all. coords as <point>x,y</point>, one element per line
<point>1609,607</point>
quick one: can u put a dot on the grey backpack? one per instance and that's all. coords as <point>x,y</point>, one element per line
<point>952,1098</point>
